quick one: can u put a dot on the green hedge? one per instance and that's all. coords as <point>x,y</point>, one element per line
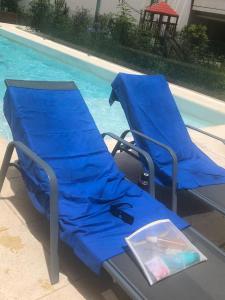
<point>118,38</point>
<point>200,78</point>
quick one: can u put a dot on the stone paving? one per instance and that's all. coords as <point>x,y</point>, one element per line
<point>24,246</point>
<point>24,243</point>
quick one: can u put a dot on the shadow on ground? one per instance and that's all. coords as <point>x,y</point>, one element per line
<point>89,285</point>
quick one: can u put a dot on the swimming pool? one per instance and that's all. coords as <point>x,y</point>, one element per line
<point>18,61</point>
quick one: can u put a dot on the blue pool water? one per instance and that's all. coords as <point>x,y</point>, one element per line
<point>18,61</point>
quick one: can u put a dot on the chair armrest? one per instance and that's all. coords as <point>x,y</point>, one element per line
<point>173,157</point>
<point>148,160</point>
<point>206,133</point>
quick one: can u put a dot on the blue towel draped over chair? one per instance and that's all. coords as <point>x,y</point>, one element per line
<point>151,109</point>
<point>57,126</point>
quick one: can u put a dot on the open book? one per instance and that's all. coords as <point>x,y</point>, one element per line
<point>162,250</point>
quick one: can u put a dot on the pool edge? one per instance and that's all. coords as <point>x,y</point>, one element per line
<point>187,94</point>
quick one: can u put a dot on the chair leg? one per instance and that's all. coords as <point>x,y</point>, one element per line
<point>6,164</point>
<point>54,236</point>
<point>54,259</point>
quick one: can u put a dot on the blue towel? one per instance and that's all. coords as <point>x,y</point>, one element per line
<point>57,125</point>
<point>151,109</point>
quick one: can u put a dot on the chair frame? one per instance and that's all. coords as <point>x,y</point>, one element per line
<point>53,188</point>
<point>174,161</point>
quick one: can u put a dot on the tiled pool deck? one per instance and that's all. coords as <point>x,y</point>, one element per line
<point>24,252</point>
<point>24,235</point>
<point>24,243</point>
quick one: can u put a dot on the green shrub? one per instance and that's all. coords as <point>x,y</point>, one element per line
<point>82,20</point>
<point>119,39</point>
<point>105,24</point>
<point>40,14</point>
<point>186,74</point>
<point>123,25</point>
<point>9,5</point>
<point>143,40</point>
<point>194,41</point>
<point>60,20</point>
<point>49,17</point>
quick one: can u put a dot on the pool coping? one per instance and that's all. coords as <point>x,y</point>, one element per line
<point>192,96</point>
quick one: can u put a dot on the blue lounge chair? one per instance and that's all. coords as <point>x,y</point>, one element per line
<point>73,180</point>
<point>158,128</point>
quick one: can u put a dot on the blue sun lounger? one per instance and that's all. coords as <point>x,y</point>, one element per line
<point>73,180</point>
<point>158,128</point>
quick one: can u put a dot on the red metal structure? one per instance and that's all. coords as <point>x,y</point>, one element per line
<point>161,19</point>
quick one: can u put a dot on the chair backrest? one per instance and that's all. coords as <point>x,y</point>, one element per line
<point>151,109</point>
<point>52,119</point>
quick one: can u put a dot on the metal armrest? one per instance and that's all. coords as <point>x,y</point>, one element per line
<point>142,153</point>
<point>53,199</point>
<point>206,133</point>
<point>174,162</point>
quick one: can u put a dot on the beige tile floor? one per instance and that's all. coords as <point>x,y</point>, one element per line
<point>24,243</point>
<point>24,253</point>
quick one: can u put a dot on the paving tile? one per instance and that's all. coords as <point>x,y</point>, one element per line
<point>86,282</point>
<point>71,266</point>
<point>66,293</point>
<point>110,143</point>
<point>92,287</point>
<point>7,218</point>
<point>99,288</point>
<point>89,285</point>
<point>24,210</point>
<point>214,149</point>
<point>15,195</point>
<point>217,130</point>
<point>23,269</point>
<point>3,146</point>
<point>109,295</point>
<point>13,186</point>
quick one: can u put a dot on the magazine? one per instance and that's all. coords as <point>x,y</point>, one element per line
<point>162,250</point>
